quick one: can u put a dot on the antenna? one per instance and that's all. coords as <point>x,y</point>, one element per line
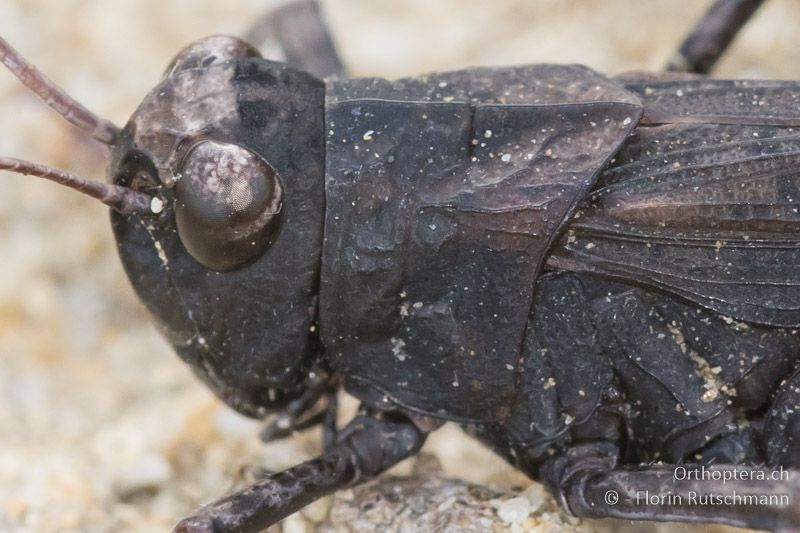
<point>123,199</point>
<point>54,96</point>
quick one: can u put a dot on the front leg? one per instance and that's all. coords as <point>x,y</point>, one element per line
<point>368,445</point>
<point>317,405</point>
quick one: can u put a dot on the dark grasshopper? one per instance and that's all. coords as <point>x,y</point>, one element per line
<point>590,274</point>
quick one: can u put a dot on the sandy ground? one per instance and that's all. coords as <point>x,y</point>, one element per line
<point>101,427</point>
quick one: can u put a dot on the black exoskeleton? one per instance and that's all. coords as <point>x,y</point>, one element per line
<point>598,277</point>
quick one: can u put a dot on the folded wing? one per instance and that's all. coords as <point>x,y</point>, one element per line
<point>703,201</point>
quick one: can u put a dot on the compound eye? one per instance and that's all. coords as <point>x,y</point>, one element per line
<point>227,205</point>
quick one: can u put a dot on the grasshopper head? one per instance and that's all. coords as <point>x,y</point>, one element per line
<point>231,146</point>
<point>218,211</point>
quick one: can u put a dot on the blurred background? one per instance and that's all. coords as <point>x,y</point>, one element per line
<point>102,428</point>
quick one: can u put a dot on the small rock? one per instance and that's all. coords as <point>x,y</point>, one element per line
<point>536,496</point>
<point>568,518</point>
<point>346,495</point>
<point>231,425</point>
<point>317,511</point>
<point>147,472</point>
<point>295,524</point>
<point>16,508</point>
<point>514,510</point>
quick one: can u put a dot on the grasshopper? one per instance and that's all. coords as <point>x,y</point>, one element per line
<point>554,258</point>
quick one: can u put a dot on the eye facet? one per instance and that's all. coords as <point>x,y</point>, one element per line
<point>227,204</point>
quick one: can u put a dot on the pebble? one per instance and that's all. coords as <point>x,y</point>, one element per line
<point>514,510</point>
<point>317,511</point>
<point>295,524</point>
<point>536,496</point>
<point>145,472</point>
